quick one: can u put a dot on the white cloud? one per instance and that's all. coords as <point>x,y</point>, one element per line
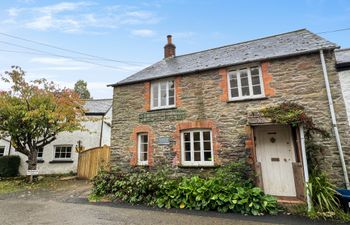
<point>143,33</point>
<point>78,17</point>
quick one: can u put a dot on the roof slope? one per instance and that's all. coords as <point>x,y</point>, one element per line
<point>97,106</point>
<point>342,55</point>
<point>291,43</point>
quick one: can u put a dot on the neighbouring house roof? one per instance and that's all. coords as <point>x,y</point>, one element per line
<point>97,106</point>
<point>342,57</point>
<point>281,45</point>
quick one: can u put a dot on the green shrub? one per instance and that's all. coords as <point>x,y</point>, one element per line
<point>9,165</point>
<point>227,190</point>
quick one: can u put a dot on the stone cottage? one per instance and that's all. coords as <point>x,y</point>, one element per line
<point>193,111</point>
<point>60,156</point>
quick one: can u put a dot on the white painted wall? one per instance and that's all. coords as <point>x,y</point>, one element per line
<point>89,139</point>
<point>344,77</point>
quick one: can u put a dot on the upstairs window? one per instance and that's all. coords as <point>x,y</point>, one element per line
<point>197,148</point>
<point>162,94</point>
<point>142,149</point>
<point>245,83</point>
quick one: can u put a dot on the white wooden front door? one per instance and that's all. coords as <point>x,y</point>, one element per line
<point>275,152</point>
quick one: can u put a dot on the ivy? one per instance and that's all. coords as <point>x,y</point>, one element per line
<point>293,114</point>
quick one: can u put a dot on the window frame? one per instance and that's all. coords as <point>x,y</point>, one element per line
<point>159,82</point>
<point>139,162</point>
<point>3,148</point>
<point>250,84</point>
<point>62,159</point>
<point>42,153</point>
<point>192,162</point>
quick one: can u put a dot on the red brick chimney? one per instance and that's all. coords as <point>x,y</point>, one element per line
<point>169,48</point>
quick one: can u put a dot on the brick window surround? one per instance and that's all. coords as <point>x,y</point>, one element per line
<point>147,93</point>
<point>267,78</point>
<point>134,139</point>
<point>199,124</point>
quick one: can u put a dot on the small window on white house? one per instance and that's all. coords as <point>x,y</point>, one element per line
<point>197,148</point>
<point>2,151</point>
<point>40,153</point>
<point>162,94</point>
<point>245,83</point>
<point>63,152</point>
<point>142,149</point>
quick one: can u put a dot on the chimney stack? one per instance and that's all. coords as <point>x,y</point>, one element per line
<point>169,48</point>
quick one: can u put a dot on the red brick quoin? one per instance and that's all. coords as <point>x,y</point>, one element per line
<point>199,124</point>
<point>134,139</point>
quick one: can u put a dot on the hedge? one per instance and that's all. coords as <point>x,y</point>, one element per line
<point>9,166</point>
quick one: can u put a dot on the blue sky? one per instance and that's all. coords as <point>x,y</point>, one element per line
<point>135,32</point>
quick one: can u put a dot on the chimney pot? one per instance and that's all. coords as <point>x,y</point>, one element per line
<point>169,48</point>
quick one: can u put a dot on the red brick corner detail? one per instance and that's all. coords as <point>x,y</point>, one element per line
<point>223,84</point>
<point>267,78</point>
<point>147,96</point>
<point>141,129</point>
<point>199,124</point>
<point>249,144</point>
<point>178,91</point>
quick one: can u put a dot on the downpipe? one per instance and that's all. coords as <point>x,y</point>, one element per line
<point>334,121</point>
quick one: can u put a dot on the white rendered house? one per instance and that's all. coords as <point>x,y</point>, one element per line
<point>343,67</point>
<point>61,156</point>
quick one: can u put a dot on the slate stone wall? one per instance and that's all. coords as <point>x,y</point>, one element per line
<point>298,79</point>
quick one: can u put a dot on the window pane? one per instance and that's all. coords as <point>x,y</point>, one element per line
<point>197,146</point>
<point>245,91</point>
<point>197,156</point>
<point>57,155</point>
<point>207,146</point>
<point>206,135</point>
<point>255,80</point>
<point>196,136</point>
<point>2,151</point>
<point>187,146</point>
<point>144,138</point>
<point>233,80</point>
<point>207,156</point>
<point>234,92</point>
<point>187,136</point>
<point>171,101</point>
<point>68,155</point>
<point>155,95</point>
<point>144,147</point>
<point>244,78</point>
<point>163,94</point>
<point>187,156</point>
<point>171,84</point>
<point>256,90</point>
<point>254,71</point>
<point>143,156</point>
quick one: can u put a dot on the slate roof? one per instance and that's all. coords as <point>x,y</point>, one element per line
<point>342,57</point>
<point>286,44</point>
<point>97,106</point>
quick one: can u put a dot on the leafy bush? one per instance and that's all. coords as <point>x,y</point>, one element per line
<point>9,165</point>
<point>228,190</point>
<point>325,203</point>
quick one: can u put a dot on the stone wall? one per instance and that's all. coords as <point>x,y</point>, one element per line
<point>344,77</point>
<point>202,96</point>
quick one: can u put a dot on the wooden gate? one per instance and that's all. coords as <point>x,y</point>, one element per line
<point>91,160</point>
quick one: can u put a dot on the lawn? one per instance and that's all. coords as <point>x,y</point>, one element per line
<point>46,183</point>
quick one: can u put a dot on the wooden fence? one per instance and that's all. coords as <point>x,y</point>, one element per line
<point>91,160</point>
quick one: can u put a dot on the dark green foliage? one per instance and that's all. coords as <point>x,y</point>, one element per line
<point>228,190</point>
<point>293,114</point>
<point>9,165</point>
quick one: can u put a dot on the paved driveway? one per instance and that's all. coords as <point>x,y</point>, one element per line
<point>70,206</point>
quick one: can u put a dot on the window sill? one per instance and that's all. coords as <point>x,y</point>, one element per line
<point>170,108</point>
<point>247,99</point>
<point>197,166</point>
<point>38,161</point>
<point>61,161</point>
